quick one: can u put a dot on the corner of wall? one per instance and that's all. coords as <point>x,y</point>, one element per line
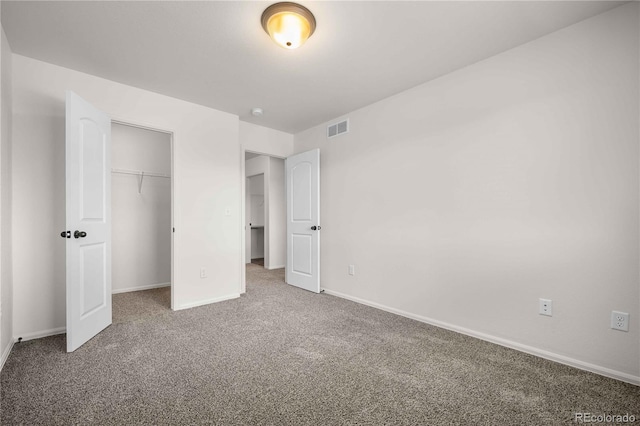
<point>264,140</point>
<point>6,275</point>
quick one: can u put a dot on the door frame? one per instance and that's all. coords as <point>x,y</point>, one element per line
<point>243,237</point>
<point>132,123</point>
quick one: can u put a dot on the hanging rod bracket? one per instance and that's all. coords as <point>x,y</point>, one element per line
<point>140,179</point>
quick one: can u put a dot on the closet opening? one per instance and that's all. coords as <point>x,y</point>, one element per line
<point>141,212</point>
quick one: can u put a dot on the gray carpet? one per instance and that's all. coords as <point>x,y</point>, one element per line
<point>137,305</point>
<point>259,261</point>
<point>283,356</point>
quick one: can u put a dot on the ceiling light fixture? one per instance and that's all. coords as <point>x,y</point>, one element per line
<point>256,112</point>
<point>288,24</point>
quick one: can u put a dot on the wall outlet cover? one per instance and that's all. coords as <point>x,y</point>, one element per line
<point>620,320</point>
<point>545,307</point>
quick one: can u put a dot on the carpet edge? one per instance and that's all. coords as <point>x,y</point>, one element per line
<point>551,356</point>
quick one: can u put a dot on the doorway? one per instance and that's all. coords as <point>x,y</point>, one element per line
<point>264,211</point>
<point>141,211</point>
<point>299,248</point>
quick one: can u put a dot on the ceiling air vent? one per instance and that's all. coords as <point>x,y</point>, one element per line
<point>338,128</point>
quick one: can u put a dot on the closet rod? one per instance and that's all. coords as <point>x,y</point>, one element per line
<point>139,173</point>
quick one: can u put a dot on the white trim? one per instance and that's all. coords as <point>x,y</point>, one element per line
<point>145,126</point>
<point>140,288</point>
<point>274,267</point>
<point>208,301</point>
<point>562,359</point>
<point>42,333</point>
<point>243,225</point>
<point>5,354</point>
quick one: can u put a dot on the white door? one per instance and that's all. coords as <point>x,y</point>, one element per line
<point>88,235</point>
<point>303,220</point>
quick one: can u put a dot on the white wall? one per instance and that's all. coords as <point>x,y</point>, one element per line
<point>277,215</point>
<point>264,140</point>
<point>206,184</point>
<point>254,167</point>
<point>141,221</point>
<point>246,229</point>
<point>256,192</point>
<point>257,243</point>
<point>6,285</point>
<point>462,201</point>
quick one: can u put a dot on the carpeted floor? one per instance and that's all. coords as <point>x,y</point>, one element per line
<point>283,356</point>
<point>137,305</point>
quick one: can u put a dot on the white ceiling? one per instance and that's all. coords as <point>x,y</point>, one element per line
<point>217,54</point>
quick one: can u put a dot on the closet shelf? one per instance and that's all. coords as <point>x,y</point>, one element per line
<point>141,174</point>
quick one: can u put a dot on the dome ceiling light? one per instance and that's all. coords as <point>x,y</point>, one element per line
<point>288,24</point>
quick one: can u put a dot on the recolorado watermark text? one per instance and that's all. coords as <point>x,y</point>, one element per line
<point>603,418</point>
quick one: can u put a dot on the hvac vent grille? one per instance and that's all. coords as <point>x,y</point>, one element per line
<point>338,128</point>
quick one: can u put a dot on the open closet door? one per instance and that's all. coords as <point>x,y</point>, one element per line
<point>88,234</point>
<point>303,220</point>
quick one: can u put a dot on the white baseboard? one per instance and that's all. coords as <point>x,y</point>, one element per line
<point>5,354</point>
<point>207,302</point>
<point>61,330</point>
<point>275,267</point>
<point>42,333</point>
<point>572,362</point>
<point>139,288</point>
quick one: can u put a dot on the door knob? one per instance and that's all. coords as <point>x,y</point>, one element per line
<point>79,234</point>
<point>65,234</point>
<point>314,228</point>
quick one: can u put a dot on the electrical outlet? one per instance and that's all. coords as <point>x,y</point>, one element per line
<point>203,273</point>
<point>545,307</point>
<point>352,270</point>
<point>620,321</point>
